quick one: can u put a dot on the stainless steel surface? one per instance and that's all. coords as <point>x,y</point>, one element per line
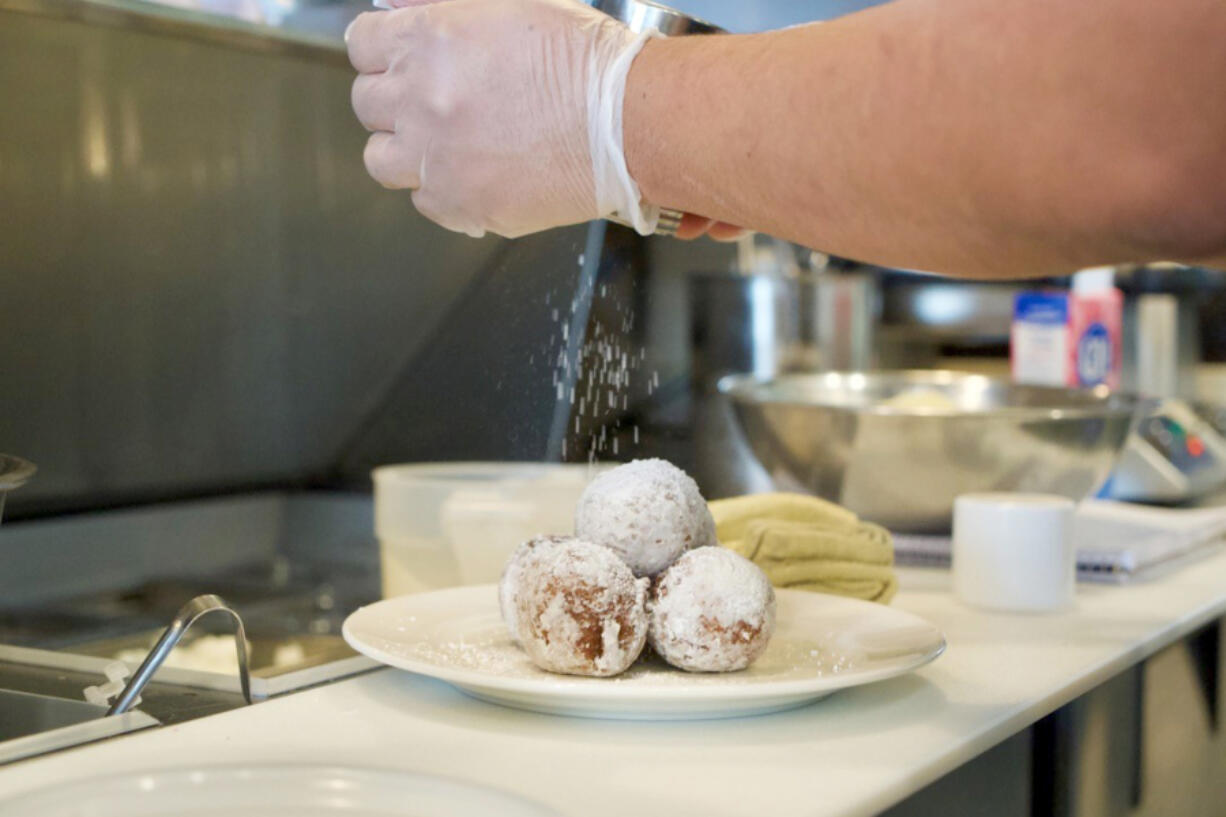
<point>80,592</point>
<point>290,562</point>
<point>667,224</point>
<point>162,704</point>
<point>292,614</point>
<point>25,713</point>
<point>762,15</point>
<point>1162,331</point>
<point>1155,343</point>
<point>744,323</point>
<point>738,323</point>
<point>205,291</point>
<point>941,311</point>
<point>848,310</point>
<point>669,221</point>
<point>901,465</point>
<point>913,319</point>
<point>33,724</point>
<point>267,28</point>
<point>642,15</point>
<point>1170,323</point>
<point>185,618</point>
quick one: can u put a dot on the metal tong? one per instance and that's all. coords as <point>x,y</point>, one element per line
<point>187,616</point>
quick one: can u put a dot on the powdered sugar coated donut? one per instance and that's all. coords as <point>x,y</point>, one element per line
<point>647,511</point>
<point>512,571</point>
<point>579,609</point>
<point>712,611</point>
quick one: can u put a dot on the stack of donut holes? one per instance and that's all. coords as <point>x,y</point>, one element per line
<point>643,567</point>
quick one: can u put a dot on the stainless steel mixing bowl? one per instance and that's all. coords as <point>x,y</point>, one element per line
<point>898,447</point>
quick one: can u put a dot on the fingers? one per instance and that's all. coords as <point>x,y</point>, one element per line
<point>374,101</point>
<point>373,37</point>
<point>449,217</point>
<point>692,227</point>
<point>370,39</point>
<point>390,163</point>
<point>721,231</point>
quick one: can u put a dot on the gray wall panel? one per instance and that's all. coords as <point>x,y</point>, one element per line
<point>199,285</point>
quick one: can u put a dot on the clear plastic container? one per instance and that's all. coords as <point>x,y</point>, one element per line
<point>448,524</point>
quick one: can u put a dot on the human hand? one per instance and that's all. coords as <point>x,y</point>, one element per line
<point>501,117</point>
<point>693,227</point>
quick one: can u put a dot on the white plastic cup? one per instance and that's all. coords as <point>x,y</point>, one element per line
<point>1014,552</point>
<point>448,524</point>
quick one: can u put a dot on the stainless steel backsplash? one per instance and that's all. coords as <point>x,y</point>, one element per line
<point>200,288</point>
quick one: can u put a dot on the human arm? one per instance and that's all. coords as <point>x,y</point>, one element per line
<point>1018,137</point>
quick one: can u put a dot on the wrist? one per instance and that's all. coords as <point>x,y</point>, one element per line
<point>617,194</point>
<point>672,136</point>
<point>643,123</point>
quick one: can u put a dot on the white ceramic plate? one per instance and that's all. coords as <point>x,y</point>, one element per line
<point>269,791</point>
<point>821,644</point>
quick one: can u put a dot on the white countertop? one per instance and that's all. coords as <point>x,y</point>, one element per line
<point>854,753</point>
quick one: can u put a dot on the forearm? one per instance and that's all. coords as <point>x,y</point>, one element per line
<point>1008,138</point>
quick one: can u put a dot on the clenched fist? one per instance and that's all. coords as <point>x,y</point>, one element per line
<point>500,116</point>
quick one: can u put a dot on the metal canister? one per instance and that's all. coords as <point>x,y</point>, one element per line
<point>641,15</point>
<point>738,323</point>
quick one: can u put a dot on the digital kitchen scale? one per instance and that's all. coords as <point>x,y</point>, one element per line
<point>1175,454</point>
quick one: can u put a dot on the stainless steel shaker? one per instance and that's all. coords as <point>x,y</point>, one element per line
<point>641,15</point>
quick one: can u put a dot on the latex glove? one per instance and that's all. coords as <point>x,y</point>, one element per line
<point>500,116</point>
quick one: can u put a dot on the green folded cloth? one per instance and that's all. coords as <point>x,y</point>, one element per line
<point>806,543</point>
<point>732,516</point>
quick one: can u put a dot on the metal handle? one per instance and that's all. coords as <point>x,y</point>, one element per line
<point>187,616</point>
<point>669,221</point>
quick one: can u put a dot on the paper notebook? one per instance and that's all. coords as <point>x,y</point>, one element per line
<point>1115,541</point>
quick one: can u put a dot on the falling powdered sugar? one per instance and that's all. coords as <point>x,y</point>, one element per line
<point>595,370</point>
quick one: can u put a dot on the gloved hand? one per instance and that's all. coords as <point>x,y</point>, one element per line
<point>500,116</point>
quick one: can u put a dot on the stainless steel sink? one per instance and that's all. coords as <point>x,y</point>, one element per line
<point>24,713</point>
<point>31,724</point>
<point>79,591</point>
<point>41,709</point>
